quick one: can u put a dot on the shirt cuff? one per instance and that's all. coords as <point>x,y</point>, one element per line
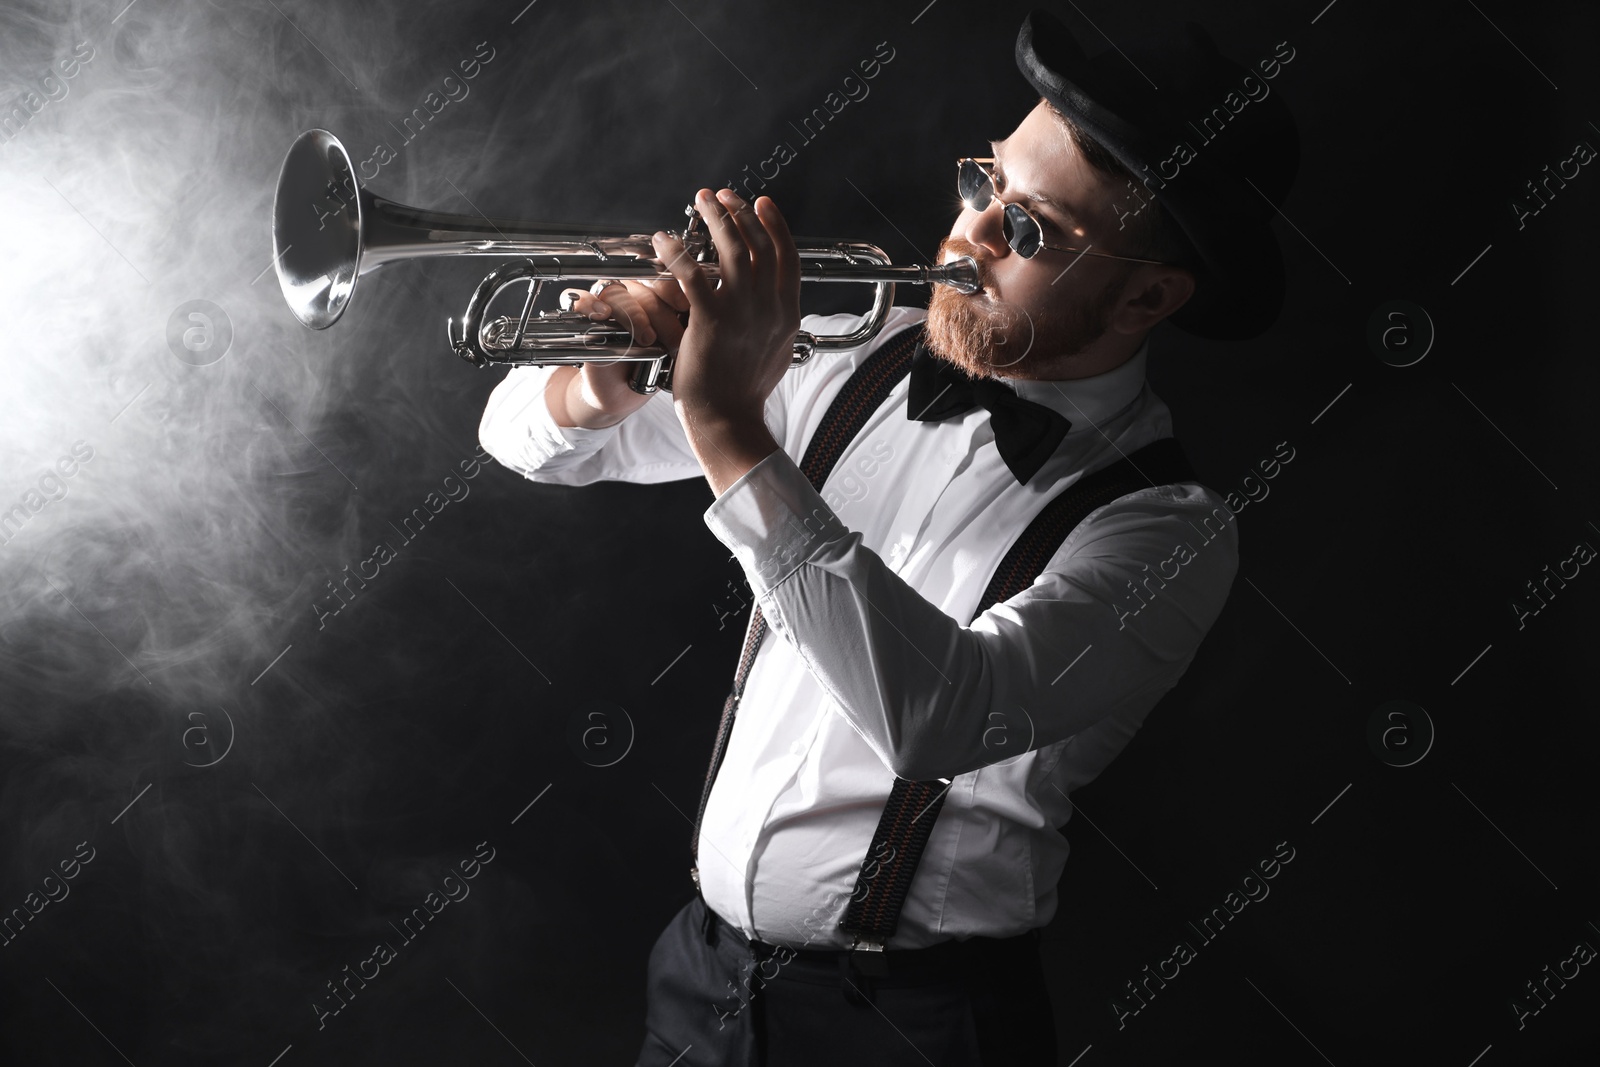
<point>772,519</point>
<point>519,431</point>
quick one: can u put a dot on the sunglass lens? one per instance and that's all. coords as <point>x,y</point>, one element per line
<point>1022,234</point>
<point>973,185</point>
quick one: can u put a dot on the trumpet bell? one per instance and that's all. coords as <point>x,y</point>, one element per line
<point>316,229</point>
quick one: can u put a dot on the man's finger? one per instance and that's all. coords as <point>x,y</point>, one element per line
<point>785,254</point>
<point>670,291</point>
<point>664,320</point>
<point>626,310</point>
<point>751,229</point>
<point>732,255</point>
<point>696,286</point>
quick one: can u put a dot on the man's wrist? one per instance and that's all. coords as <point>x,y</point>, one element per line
<point>555,395</point>
<point>727,445</point>
<point>564,400</point>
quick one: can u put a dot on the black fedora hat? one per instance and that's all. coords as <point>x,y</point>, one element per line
<point>1209,137</point>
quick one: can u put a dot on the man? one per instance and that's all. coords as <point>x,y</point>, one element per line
<point>872,682</point>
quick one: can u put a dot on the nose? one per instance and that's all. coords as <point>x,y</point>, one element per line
<point>986,229</point>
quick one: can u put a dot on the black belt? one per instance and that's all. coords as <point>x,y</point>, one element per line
<point>860,969</point>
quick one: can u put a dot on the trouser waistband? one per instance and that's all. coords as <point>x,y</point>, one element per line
<point>946,961</point>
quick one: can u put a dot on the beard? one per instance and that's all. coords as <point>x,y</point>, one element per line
<point>985,336</point>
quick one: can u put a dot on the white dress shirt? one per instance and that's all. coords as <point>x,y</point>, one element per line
<point>871,669</point>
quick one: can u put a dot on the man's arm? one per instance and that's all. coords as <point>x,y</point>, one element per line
<point>936,699</point>
<point>573,426</point>
<point>730,358</point>
<point>521,432</point>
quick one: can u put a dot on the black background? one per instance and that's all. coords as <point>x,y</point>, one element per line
<point>433,710</point>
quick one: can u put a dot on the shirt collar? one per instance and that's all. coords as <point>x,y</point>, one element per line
<point>1088,402</point>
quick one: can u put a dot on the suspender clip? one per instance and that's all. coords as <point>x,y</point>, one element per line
<point>866,956</point>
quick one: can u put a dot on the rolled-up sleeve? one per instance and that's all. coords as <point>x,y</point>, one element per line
<point>518,430</point>
<point>649,445</point>
<point>1109,626</point>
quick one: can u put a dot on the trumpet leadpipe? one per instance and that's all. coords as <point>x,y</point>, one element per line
<point>960,274</point>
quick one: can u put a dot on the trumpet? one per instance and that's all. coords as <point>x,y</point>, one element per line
<point>328,231</point>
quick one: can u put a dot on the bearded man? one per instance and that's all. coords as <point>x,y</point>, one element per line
<point>978,545</point>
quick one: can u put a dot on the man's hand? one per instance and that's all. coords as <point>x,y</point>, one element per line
<point>598,394</point>
<point>739,341</point>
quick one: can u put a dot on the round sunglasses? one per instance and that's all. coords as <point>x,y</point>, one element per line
<point>1023,231</point>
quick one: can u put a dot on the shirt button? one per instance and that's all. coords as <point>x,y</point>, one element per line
<point>797,749</point>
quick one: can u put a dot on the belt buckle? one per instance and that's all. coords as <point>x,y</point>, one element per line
<point>866,956</point>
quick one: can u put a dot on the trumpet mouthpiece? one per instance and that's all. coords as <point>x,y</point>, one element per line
<point>961,274</point>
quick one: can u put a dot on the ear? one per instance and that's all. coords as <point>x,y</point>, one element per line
<point>1152,293</point>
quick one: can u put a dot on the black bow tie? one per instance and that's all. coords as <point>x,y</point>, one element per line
<point>1026,433</point>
